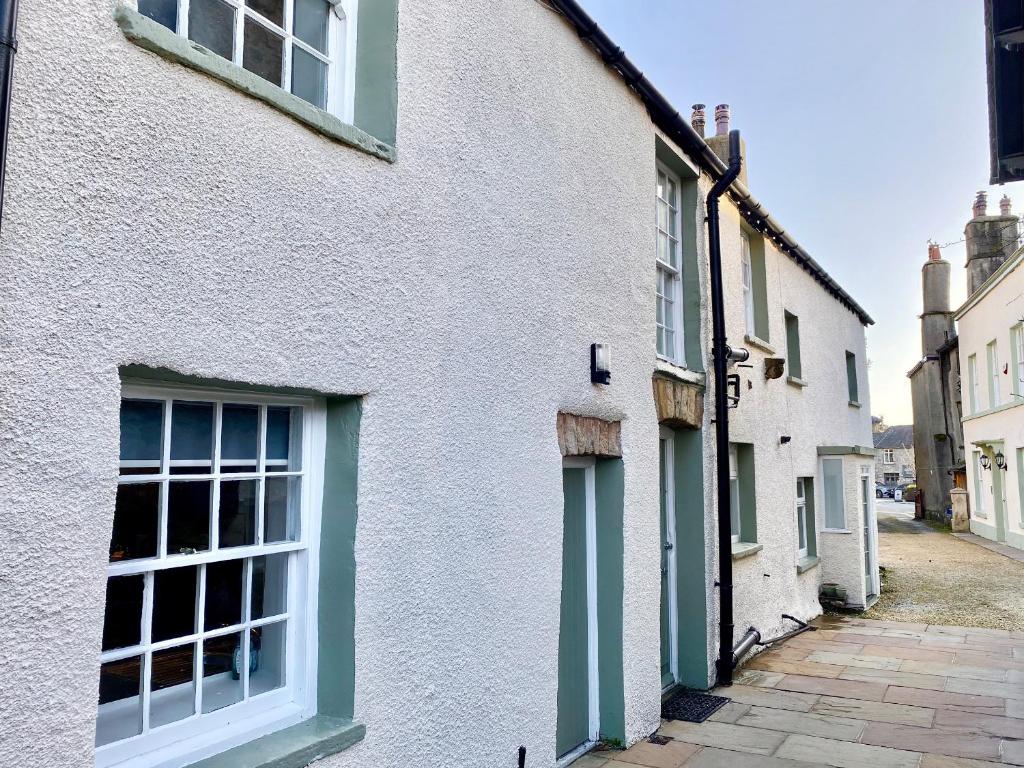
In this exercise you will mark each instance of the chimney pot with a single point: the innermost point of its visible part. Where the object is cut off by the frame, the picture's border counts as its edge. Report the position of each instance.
(1005, 206)
(697, 119)
(721, 119)
(934, 254)
(980, 206)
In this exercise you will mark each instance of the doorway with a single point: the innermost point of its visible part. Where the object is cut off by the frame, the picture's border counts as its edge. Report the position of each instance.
(669, 579)
(578, 695)
(868, 520)
(998, 494)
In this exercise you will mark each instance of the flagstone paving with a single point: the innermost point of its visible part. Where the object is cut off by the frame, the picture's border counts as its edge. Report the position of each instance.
(858, 692)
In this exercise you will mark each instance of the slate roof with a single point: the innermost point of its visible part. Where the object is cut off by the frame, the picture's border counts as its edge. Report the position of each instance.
(901, 436)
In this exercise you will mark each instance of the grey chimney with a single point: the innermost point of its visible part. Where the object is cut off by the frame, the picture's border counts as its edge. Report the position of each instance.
(697, 119)
(722, 120)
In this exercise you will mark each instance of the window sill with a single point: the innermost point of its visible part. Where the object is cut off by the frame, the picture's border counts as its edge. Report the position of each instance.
(837, 530)
(854, 404)
(807, 563)
(679, 372)
(761, 344)
(796, 381)
(742, 549)
(294, 747)
(155, 37)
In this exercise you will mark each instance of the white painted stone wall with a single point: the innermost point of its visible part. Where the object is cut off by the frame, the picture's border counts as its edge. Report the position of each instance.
(155, 216)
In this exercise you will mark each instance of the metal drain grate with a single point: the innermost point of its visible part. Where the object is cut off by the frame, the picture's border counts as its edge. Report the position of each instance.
(691, 706)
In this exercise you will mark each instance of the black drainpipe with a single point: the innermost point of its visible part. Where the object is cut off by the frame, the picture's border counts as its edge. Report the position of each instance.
(8, 47)
(721, 354)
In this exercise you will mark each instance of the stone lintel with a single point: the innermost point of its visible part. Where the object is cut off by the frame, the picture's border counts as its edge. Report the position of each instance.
(679, 403)
(588, 436)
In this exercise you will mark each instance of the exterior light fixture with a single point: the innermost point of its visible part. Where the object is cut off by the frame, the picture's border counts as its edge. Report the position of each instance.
(1000, 460)
(986, 462)
(600, 364)
(737, 355)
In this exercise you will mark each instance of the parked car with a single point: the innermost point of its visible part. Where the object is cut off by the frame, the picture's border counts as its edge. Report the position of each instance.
(909, 490)
(884, 491)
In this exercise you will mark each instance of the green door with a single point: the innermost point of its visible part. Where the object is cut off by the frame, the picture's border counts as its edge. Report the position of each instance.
(666, 550)
(573, 727)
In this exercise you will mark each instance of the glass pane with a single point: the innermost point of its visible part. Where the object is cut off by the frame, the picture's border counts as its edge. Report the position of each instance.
(284, 439)
(263, 52)
(161, 11)
(172, 685)
(269, 585)
(281, 502)
(239, 438)
(270, 9)
(191, 437)
(311, 23)
(309, 77)
(223, 594)
(832, 474)
(141, 436)
(120, 711)
(122, 619)
(267, 670)
(188, 517)
(211, 23)
(222, 682)
(136, 521)
(174, 603)
(237, 518)
(734, 507)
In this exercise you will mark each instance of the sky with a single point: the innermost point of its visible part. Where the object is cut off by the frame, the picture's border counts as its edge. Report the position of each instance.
(866, 127)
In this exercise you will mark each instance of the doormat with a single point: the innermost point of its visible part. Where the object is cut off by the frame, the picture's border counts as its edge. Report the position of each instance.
(691, 706)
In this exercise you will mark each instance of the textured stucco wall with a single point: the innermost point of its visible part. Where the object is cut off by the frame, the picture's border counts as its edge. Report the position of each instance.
(155, 216)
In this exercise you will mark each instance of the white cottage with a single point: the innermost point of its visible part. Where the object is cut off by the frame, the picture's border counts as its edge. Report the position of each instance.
(303, 454)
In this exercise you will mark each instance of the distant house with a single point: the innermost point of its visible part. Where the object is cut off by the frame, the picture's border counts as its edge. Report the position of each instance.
(894, 454)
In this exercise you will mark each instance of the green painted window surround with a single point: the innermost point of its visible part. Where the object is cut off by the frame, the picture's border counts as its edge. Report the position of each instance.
(747, 494)
(758, 287)
(793, 346)
(851, 378)
(376, 112)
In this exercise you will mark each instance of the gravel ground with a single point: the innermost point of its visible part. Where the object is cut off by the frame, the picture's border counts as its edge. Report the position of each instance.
(932, 577)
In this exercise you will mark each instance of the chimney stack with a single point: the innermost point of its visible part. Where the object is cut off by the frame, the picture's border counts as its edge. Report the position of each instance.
(936, 319)
(980, 207)
(1005, 206)
(697, 119)
(934, 254)
(722, 120)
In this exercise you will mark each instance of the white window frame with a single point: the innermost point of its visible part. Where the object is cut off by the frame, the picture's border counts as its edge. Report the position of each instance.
(992, 360)
(747, 276)
(674, 353)
(973, 383)
(888, 456)
(735, 499)
(801, 518)
(202, 735)
(979, 485)
(341, 48)
(1017, 342)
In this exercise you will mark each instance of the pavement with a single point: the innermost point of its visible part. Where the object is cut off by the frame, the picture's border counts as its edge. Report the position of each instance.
(858, 692)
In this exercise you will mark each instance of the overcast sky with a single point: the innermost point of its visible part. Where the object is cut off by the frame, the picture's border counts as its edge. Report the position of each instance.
(866, 128)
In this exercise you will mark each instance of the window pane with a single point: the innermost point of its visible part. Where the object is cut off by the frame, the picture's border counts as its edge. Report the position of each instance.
(161, 11)
(174, 603)
(801, 525)
(223, 594)
(192, 437)
(311, 23)
(136, 520)
(271, 9)
(141, 436)
(284, 439)
(122, 619)
(188, 517)
(734, 507)
(120, 711)
(237, 515)
(309, 77)
(269, 585)
(832, 472)
(211, 23)
(263, 51)
(268, 669)
(172, 686)
(239, 438)
(222, 682)
(281, 503)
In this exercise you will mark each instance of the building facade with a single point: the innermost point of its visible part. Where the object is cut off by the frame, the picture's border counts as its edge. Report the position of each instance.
(303, 450)
(991, 325)
(894, 454)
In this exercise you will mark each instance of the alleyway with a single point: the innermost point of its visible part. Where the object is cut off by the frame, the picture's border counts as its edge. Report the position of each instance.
(932, 577)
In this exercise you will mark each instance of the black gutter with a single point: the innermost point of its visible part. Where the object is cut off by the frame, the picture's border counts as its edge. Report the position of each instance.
(720, 352)
(8, 47)
(681, 132)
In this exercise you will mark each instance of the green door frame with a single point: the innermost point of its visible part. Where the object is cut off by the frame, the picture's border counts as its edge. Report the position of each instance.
(669, 577)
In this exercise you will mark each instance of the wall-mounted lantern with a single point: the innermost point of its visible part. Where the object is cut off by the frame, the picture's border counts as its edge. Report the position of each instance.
(986, 462)
(600, 364)
(1000, 460)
